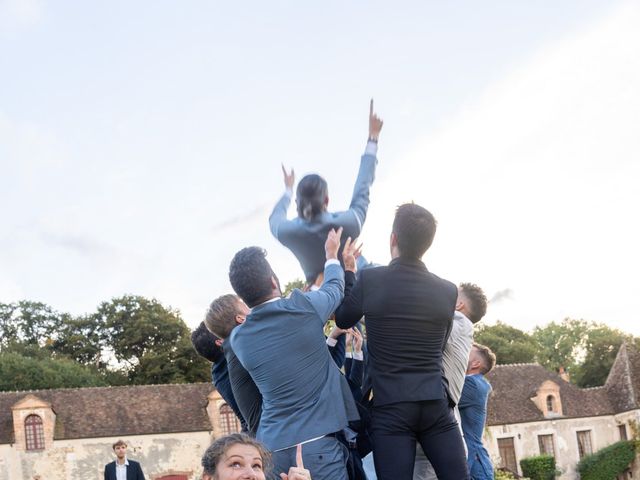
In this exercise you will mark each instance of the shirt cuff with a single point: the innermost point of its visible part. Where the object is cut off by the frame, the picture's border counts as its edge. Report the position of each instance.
(358, 356)
(347, 355)
(332, 341)
(288, 192)
(331, 261)
(371, 149)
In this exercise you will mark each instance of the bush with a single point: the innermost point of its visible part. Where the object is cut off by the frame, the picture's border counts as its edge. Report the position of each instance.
(506, 475)
(542, 467)
(609, 462)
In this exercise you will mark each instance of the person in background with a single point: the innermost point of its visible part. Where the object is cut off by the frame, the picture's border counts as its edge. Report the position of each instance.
(473, 410)
(122, 468)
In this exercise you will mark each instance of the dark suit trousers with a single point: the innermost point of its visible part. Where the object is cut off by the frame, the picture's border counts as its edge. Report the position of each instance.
(395, 429)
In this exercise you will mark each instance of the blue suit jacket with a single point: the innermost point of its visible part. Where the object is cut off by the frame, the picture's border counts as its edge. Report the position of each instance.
(134, 471)
(473, 415)
(282, 346)
(306, 238)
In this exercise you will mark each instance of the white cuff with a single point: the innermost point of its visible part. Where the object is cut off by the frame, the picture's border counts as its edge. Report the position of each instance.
(347, 355)
(331, 261)
(358, 356)
(371, 149)
(332, 341)
(288, 192)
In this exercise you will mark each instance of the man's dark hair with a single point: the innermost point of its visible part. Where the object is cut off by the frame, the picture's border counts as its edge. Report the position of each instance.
(477, 301)
(118, 443)
(415, 228)
(250, 275)
(205, 344)
(221, 316)
(310, 196)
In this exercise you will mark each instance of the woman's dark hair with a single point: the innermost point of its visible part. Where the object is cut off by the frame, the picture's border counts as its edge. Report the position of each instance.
(311, 194)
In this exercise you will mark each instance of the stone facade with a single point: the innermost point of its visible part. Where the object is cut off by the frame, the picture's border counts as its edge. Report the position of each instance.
(532, 411)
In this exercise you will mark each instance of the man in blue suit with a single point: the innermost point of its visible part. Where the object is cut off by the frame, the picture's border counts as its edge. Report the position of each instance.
(305, 234)
(122, 468)
(306, 400)
(473, 410)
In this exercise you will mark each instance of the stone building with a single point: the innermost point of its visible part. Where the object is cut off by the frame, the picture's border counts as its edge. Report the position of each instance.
(532, 411)
(66, 434)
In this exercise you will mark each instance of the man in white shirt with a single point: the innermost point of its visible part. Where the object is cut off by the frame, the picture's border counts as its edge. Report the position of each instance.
(470, 308)
(122, 468)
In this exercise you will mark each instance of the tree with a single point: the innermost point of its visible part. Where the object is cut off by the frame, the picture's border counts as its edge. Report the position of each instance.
(151, 342)
(19, 372)
(27, 326)
(508, 343)
(291, 286)
(559, 344)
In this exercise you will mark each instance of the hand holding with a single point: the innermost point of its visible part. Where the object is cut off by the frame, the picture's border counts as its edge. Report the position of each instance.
(289, 178)
(332, 245)
(375, 124)
(358, 340)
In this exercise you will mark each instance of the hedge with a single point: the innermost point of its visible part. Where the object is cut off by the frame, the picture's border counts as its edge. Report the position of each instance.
(542, 467)
(608, 463)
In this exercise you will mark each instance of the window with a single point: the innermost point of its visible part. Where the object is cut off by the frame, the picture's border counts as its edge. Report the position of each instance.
(584, 443)
(545, 442)
(551, 403)
(34, 432)
(623, 431)
(228, 419)
(507, 454)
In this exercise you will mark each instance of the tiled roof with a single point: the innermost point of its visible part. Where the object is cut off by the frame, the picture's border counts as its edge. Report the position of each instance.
(515, 385)
(115, 411)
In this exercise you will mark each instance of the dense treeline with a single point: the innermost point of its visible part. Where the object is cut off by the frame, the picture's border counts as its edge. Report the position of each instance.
(128, 340)
(135, 340)
(586, 350)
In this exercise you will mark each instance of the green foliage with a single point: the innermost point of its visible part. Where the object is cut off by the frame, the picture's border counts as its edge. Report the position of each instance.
(586, 350)
(607, 463)
(508, 343)
(291, 286)
(542, 467)
(18, 372)
(504, 475)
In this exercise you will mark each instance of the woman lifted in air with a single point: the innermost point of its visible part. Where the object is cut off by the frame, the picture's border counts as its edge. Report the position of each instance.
(305, 235)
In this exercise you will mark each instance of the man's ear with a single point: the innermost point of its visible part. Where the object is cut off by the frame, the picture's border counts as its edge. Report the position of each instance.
(459, 304)
(240, 319)
(394, 239)
(274, 283)
(326, 201)
(218, 342)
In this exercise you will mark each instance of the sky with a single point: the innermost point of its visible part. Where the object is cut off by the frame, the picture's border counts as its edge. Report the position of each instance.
(141, 144)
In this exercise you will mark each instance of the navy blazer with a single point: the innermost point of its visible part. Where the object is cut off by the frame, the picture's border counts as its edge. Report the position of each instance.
(282, 346)
(408, 313)
(306, 238)
(134, 471)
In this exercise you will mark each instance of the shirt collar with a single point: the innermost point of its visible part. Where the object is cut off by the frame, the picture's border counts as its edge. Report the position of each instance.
(126, 462)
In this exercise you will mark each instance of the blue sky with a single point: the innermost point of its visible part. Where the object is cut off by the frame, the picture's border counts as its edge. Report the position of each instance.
(141, 142)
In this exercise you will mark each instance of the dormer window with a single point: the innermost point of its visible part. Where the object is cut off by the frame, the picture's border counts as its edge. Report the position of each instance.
(34, 432)
(551, 403)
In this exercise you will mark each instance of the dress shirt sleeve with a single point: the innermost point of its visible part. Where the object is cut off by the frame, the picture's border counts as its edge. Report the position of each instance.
(351, 310)
(338, 350)
(470, 393)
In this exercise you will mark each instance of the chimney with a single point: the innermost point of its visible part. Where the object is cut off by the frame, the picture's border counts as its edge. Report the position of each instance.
(563, 374)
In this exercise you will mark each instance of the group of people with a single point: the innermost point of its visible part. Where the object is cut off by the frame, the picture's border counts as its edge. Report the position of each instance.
(398, 379)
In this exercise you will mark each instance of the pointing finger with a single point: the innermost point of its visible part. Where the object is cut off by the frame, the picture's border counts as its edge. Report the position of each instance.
(371, 108)
(299, 462)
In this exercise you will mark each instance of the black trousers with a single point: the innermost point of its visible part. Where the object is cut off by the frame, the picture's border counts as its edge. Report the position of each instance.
(395, 429)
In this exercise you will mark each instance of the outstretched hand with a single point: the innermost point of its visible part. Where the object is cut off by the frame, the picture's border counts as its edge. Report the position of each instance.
(350, 254)
(289, 178)
(298, 472)
(332, 245)
(375, 124)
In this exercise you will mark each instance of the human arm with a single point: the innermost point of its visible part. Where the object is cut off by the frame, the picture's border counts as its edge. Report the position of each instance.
(278, 216)
(470, 393)
(337, 345)
(140, 475)
(106, 473)
(366, 174)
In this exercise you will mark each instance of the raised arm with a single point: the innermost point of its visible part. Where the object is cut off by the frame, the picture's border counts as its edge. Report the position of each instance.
(327, 298)
(360, 198)
(279, 214)
(351, 310)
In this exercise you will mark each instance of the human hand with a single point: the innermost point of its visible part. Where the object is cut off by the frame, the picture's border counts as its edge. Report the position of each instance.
(358, 340)
(332, 245)
(298, 472)
(337, 332)
(350, 254)
(289, 178)
(375, 124)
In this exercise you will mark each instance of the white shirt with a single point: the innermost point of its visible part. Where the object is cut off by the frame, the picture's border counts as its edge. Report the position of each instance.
(121, 470)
